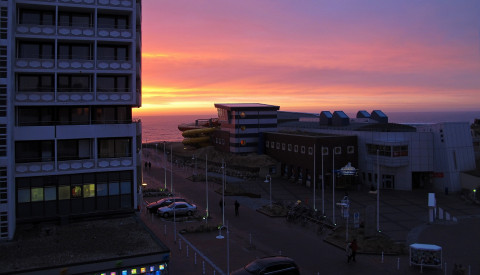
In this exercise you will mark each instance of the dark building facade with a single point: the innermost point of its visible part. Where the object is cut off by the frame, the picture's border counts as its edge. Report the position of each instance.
(298, 152)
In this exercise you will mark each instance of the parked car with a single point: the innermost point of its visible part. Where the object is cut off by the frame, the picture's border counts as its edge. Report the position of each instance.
(153, 206)
(269, 265)
(179, 207)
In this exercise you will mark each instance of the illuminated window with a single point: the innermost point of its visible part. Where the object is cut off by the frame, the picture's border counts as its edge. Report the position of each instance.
(325, 151)
(143, 270)
(243, 142)
(350, 149)
(37, 194)
(243, 128)
(295, 148)
(77, 191)
(161, 267)
(64, 192)
(89, 190)
(338, 150)
(242, 114)
(134, 271)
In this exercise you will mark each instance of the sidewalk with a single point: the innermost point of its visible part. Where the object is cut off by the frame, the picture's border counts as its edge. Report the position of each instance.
(253, 235)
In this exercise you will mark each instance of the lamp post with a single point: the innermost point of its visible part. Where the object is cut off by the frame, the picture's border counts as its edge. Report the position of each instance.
(268, 179)
(224, 167)
(206, 186)
(323, 189)
(165, 163)
(194, 165)
(333, 186)
(314, 178)
(171, 169)
(378, 192)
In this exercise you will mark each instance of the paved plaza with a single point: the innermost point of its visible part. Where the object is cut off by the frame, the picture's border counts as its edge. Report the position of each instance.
(403, 217)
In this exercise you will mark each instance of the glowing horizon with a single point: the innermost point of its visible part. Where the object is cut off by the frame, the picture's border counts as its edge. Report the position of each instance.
(310, 56)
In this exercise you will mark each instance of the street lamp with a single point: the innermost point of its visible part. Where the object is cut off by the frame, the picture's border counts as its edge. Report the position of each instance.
(268, 179)
(378, 192)
(195, 165)
(206, 186)
(165, 163)
(224, 167)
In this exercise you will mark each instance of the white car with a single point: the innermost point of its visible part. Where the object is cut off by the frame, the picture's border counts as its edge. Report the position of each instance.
(179, 207)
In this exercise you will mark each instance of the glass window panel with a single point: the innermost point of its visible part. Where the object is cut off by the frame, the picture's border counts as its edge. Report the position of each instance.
(47, 18)
(80, 52)
(63, 52)
(105, 53)
(105, 83)
(28, 83)
(64, 192)
(80, 83)
(47, 150)
(47, 51)
(67, 149)
(122, 148)
(81, 20)
(106, 148)
(76, 191)
(64, 19)
(89, 190)
(122, 22)
(113, 188)
(37, 194)
(23, 195)
(29, 50)
(28, 116)
(50, 193)
(84, 149)
(46, 83)
(122, 84)
(106, 21)
(126, 187)
(102, 189)
(29, 17)
(122, 53)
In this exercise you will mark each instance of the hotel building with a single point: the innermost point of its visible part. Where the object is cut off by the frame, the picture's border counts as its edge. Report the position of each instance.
(69, 78)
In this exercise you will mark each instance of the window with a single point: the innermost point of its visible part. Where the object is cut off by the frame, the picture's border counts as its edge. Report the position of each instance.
(278, 145)
(89, 190)
(102, 189)
(267, 144)
(113, 83)
(3, 140)
(242, 114)
(295, 148)
(113, 188)
(114, 147)
(283, 146)
(76, 191)
(74, 149)
(243, 142)
(35, 83)
(325, 151)
(34, 116)
(73, 115)
(35, 50)
(272, 144)
(75, 51)
(302, 149)
(73, 19)
(338, 150)
(350, 149)
(74, 83)
(36, 17)
(37, 194)
(34, 151)
(400, 151)
(112, 52)
(126, 187)
(289, 147)
(310, 150)
(23, 195)
(64, 192)
(106, 21)
(50, 193)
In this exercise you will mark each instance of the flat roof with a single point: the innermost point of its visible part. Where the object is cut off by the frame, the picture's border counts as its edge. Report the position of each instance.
(47, 245)
(245, 106)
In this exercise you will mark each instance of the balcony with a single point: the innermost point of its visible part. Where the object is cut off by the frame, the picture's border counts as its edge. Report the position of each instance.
(32, 97)
(115, 33)
(75, 64)
(116, 3)
(74, 96)
(76, 31)
(111, 3)
(36, 29)
(88, 2)
(114, 65)
(34, 63)
(114, 96)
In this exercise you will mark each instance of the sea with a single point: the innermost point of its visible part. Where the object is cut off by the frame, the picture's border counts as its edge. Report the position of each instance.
(165, 128)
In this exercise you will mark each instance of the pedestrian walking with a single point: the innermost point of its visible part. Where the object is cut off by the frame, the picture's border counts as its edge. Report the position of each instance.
(146, 165)
(348, 250)
(237, 205)
(353, 248)
(149, 165)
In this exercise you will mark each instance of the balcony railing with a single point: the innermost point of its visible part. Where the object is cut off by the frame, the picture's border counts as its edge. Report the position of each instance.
(114, 33)
(72, 165)
(112, 3)
(76, 31)
(114, 64)
(34, 63)
(36, 29)
(75, 64)
(74, 95)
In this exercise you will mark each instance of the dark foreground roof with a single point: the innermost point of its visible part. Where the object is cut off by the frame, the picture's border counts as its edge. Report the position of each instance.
(48, 245)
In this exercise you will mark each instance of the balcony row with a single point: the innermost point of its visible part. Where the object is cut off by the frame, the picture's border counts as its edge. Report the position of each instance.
(74, 97)
(72, 165)
(111, 3)
(75, 31)
(67, 64)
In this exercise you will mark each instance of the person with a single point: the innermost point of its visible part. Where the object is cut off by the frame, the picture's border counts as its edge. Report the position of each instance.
(353, 248)
(348, 250)
(237, 205)
(146, 165)
(149, 165)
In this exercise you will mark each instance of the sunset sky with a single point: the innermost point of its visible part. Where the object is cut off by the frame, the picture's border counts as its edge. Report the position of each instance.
(310, 55)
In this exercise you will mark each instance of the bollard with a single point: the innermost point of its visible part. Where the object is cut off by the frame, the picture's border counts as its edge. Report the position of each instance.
(382, 257)
(203, 267)
(195, 258)
(398, 263)
(187, 251)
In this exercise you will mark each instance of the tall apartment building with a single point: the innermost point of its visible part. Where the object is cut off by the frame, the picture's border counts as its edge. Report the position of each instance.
(69, 78)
